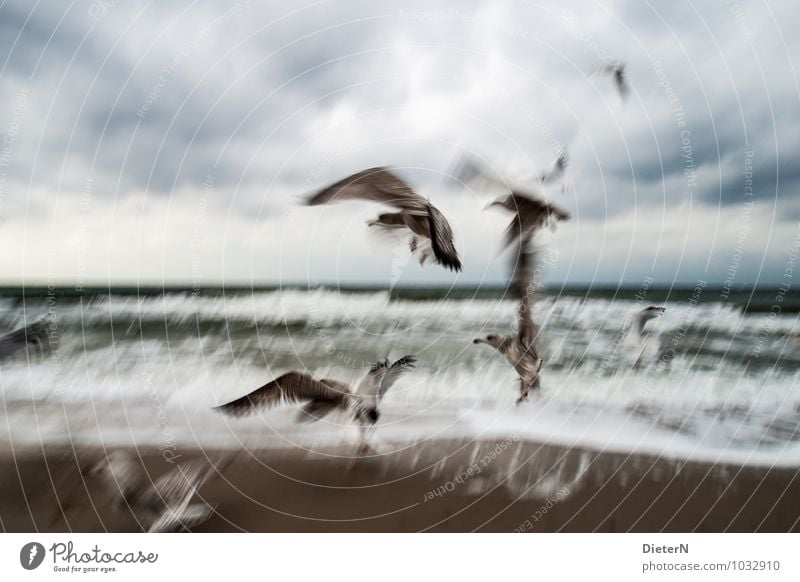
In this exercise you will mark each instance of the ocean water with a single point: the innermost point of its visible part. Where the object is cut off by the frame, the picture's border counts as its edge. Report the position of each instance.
(719, 379)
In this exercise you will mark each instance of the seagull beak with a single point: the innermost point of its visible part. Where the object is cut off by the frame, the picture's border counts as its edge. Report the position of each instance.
(478, 340)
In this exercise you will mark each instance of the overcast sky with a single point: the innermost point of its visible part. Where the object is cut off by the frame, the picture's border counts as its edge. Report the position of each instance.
(172, 142)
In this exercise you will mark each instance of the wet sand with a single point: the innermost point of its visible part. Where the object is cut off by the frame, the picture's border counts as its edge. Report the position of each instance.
(454, 486)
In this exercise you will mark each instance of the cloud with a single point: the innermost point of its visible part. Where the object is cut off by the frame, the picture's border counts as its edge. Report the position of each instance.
(143, 106)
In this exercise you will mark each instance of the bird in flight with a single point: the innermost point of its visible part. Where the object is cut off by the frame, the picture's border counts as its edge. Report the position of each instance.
(521, 349)
(617, 72)
(557, 172)
(323, 396)
(429, 233)
(160, 506)
(530, 210)
(636, 336)
(530, 214)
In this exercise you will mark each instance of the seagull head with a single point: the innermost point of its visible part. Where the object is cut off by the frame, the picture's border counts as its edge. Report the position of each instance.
(490, 340)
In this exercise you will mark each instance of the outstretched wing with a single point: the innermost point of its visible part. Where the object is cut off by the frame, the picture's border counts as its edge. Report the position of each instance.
(394, 372)
(178, 485)
(530, 215)
(174, 491)
(375, 185)
(442, 240)
(559, 167)
(316, 410)
(289, 388)
(370, 384)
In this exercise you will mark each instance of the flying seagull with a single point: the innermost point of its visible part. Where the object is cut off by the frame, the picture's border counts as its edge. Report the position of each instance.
(428, 230)
(557, 172)
(530, 214)
(636, 335)
(34, 335)
(521, 349)
(163, 505)
(324, 395)
(617, 71)
(530, 210)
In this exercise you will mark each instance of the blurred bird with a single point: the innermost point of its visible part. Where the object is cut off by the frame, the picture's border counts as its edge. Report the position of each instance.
(428, 230)
(530, 214)
(557, 172)
(163, 505)
(325, 395)
(521, 349)
(636, 336)
(34, 335)
(530, 210)
(617, 71)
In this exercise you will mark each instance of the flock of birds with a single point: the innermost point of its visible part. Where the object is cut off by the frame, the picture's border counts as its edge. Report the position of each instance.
(166, 503)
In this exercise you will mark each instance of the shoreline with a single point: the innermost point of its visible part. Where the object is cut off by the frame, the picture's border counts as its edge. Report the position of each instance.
(438, 485)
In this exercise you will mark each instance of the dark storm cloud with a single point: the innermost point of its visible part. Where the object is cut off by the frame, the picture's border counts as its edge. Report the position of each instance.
(274, 99)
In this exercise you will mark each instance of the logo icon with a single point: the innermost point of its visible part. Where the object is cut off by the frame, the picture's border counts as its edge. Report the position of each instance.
(31, 555)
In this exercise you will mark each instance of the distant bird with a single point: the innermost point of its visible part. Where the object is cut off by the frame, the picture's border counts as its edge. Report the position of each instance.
(163, 505)
(636, 335)
(617, 71)
(34, 335)
(325, 395)
(428, 230)
(557, 172)
(530, 214)
(521, 349)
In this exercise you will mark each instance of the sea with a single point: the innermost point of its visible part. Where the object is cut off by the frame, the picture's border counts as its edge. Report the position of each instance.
(717, 381)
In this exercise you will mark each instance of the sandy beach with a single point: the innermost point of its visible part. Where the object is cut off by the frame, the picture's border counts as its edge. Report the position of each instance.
(452, 486)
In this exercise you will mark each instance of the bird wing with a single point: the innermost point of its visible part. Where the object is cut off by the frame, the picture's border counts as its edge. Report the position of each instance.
(524, 285)
(174, 490)
(291, 387)
(316, 410)
(559, 166)
(442, 240)
(370, 384)
(376, 185)
(530, 215)
(32, 334)
(175, 486)
(394, 372)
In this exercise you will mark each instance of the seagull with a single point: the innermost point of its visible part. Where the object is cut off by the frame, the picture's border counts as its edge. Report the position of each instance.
(34, 334)
(530, 214)
(530, 209)
(163, 505)
(559, 167)
(617, 71)
(428, 230)
(521, 349)
(325, 395)
(636, 335)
